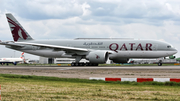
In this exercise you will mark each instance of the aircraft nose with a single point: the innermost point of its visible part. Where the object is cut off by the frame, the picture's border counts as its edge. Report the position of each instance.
(175, 50)
(172, 51)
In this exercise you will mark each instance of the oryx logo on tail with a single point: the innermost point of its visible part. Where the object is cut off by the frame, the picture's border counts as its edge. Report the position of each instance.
(18, 32)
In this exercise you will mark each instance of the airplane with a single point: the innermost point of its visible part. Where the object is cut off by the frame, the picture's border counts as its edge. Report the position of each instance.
(12, 60)
(95, 50)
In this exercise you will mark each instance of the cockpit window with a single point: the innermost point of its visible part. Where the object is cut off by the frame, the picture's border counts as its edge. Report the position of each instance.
(168, 46)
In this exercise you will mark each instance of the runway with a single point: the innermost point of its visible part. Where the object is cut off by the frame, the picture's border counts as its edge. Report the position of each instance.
(97, 71)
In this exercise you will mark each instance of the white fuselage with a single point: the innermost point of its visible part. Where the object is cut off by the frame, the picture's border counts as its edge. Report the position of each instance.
(121, 48)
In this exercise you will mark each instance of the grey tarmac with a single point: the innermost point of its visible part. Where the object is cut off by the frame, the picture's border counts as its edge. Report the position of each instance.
(96, 71)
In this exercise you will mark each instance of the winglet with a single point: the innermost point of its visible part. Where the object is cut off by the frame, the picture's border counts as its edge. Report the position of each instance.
(18, 32)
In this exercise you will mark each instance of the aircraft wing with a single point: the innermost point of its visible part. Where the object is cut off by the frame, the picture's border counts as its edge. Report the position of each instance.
(10, 43)
(55, 47)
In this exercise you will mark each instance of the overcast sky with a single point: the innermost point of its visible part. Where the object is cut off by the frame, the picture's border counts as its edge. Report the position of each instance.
(69, 19)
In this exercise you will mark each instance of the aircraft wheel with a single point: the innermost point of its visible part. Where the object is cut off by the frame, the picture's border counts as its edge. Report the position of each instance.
(87, 64)
(159, 64)
(72, 64)
(91, 64)
(77, 64)
(96, 64)
(81, 64)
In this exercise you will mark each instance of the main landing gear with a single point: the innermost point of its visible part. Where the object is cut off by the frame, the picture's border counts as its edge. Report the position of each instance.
(160, 63)
(78, 63)
(84, 64)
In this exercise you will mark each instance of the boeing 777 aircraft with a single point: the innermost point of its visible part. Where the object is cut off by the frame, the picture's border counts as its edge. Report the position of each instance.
(96, 50)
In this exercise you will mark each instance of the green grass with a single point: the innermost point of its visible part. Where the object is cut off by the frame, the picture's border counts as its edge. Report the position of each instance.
(21, 88)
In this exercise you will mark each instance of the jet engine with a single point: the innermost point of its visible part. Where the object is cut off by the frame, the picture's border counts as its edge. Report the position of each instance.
(97, 57)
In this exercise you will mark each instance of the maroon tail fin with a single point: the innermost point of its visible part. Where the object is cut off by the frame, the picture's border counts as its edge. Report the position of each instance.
(18, 32)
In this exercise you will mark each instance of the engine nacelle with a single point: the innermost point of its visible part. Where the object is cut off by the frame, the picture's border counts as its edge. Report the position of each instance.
(120, 60)
(97, 57)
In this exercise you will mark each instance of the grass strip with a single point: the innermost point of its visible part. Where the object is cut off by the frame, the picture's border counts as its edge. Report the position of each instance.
(41, 88)
(76, 80)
